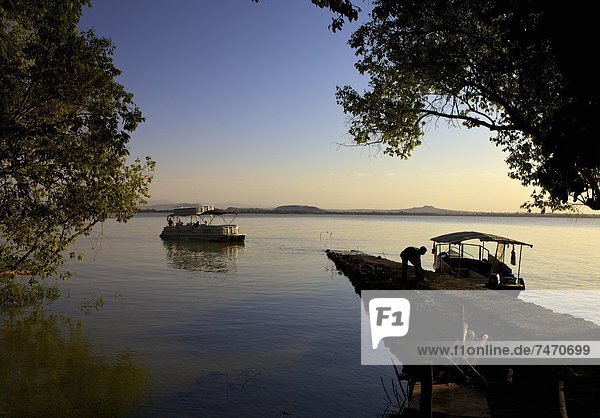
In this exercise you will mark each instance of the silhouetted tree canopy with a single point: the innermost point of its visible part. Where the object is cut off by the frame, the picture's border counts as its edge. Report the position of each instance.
(343, 9)
(515, 67)
(64, 128)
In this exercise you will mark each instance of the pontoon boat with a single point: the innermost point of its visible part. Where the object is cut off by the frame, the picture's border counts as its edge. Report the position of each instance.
(195, 223)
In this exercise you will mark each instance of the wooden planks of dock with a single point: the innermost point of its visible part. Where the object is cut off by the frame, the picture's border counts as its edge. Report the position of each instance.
(453, 400)
(509, 391)
(368, 272)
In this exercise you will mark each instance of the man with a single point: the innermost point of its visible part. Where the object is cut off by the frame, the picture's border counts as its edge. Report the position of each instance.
(412, 254)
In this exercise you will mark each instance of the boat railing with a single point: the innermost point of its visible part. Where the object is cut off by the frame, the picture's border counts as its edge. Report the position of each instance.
(461, 259)
(467, 251)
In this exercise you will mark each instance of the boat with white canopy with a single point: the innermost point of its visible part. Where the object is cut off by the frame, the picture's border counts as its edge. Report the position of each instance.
(464, 254)
(197, 223)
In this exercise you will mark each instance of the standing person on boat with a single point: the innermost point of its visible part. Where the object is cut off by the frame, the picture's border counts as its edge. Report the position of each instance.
(412, 254)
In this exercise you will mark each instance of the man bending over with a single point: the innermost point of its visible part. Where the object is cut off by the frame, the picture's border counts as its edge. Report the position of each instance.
(412, 254)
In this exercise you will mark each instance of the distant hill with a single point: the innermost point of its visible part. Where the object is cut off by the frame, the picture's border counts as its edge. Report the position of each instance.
(426, 210)
(298, 209)
(164, 207)
(430, 210)
(307, 209)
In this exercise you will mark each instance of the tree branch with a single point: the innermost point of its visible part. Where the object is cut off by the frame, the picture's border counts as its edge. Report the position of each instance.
(478, 122)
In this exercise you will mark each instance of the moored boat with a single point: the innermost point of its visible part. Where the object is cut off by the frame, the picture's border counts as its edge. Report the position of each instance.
(464, 254)
(197, 223)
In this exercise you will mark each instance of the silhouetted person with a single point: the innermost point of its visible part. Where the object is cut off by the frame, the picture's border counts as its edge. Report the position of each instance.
(412, 254)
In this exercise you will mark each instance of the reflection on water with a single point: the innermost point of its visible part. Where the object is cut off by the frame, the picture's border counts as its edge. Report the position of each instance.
(203, 256)
(48, 368)
(261, 330)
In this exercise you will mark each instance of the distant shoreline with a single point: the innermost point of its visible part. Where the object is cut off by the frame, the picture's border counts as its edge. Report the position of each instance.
(260, 211)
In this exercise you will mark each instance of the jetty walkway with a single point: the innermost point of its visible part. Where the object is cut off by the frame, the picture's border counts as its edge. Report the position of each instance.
(485, 391)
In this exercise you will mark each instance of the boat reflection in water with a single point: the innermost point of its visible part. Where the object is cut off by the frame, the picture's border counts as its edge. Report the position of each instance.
(203, 256)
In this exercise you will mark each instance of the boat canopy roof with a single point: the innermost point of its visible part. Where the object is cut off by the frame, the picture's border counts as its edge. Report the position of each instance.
(197, 211)
(458, 237)
(192, 210)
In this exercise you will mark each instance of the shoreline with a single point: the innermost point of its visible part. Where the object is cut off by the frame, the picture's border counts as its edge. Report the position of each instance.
(258, 211)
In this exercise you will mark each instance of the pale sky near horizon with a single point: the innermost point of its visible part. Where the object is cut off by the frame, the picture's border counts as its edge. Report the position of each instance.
(240, 111)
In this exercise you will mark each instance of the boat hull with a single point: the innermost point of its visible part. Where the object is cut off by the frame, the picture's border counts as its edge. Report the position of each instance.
(202, 233)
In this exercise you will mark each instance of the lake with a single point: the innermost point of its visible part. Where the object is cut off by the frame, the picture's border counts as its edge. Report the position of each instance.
(147, 327)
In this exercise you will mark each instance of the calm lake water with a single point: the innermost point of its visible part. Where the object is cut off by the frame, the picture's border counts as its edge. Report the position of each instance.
(152, 328)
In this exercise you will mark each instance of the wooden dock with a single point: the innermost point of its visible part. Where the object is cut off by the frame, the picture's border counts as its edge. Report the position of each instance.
(368, 272)
(454, 400)
(494, 391)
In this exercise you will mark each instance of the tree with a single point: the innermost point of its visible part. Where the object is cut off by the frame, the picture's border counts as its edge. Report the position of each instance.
(343, 9)
(64, 128)
(7, 6)
(508, 66)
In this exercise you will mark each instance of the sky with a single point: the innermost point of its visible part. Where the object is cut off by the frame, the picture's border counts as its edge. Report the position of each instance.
(239, 101)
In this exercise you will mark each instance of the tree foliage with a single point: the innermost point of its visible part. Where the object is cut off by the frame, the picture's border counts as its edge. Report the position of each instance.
(64, 128)
(343, 10)
(507, 66)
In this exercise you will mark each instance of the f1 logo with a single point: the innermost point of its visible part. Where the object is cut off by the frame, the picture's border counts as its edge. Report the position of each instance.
(389, 317)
